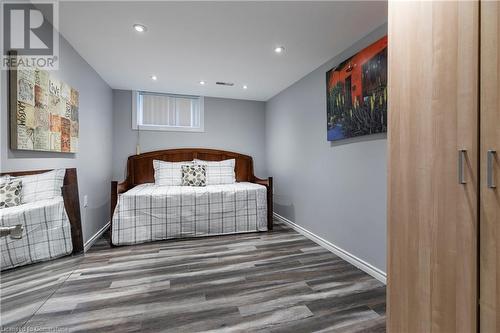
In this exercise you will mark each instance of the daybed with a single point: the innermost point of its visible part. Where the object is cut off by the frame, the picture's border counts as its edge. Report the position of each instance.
(142, 211)
(52, 227)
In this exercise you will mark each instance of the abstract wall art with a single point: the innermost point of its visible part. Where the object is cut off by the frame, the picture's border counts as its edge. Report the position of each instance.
(43, 112)
(356, 94)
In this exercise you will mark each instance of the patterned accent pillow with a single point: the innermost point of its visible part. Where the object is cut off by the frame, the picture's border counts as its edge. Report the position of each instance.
(10, 193)
(168, 173)
(194, 175)
(42, 186)
(219, 172)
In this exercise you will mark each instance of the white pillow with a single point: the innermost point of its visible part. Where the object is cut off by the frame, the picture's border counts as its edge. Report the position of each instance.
(43, 186)
(4, 179)
(168, 173)
(219, 172)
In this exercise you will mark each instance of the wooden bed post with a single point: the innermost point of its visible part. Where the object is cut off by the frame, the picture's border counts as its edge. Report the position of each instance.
(114, 201)
(72, 204)
(270, 203)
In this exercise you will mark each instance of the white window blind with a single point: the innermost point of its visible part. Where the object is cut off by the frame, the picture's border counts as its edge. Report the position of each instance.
(154, 111)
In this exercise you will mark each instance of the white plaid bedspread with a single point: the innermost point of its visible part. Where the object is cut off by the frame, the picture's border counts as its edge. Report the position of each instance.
(151, 212)
(46, 235)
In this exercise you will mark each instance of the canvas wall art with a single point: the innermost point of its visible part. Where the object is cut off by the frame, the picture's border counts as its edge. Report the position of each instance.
(43, 112)
(356, 94)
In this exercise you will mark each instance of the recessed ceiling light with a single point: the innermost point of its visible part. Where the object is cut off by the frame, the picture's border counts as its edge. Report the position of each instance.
(245, 87)
(202, 83)
(279, 49)
(154, 77)
(139, 28)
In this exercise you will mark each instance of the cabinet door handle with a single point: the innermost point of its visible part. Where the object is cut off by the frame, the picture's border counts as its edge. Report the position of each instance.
(461, 162)
(489, 168)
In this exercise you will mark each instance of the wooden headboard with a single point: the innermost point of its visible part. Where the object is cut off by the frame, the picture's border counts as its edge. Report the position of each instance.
(71, 203)
(140, 170)
(140, 167)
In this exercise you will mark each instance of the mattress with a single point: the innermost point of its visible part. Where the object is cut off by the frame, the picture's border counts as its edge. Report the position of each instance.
(151, 212)
(46, 235)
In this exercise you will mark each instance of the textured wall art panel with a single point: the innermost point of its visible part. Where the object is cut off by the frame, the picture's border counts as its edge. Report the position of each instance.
(43, 112)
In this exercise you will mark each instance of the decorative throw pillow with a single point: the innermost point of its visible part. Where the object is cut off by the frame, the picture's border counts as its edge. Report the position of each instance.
(219, 172)
(10, 193)
(193, 175)
(42, 186)
(168, 173)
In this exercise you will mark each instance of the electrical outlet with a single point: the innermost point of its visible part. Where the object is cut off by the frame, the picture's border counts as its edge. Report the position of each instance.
(85, 201)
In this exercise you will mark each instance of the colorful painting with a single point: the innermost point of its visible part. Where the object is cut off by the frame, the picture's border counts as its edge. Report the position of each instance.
(356, 94)
(44, 112)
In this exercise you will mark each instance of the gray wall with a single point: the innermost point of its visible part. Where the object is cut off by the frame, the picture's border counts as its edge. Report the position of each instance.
(230, 124)
(337, 191)
(93, 159)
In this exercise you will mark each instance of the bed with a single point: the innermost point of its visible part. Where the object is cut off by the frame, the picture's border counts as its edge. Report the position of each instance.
(142, 211)
(52, 228)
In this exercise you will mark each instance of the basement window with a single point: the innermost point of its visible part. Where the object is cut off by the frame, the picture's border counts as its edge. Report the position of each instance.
(167, 112)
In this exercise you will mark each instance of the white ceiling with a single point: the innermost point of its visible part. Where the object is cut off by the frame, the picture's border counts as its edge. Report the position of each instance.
(214, 41)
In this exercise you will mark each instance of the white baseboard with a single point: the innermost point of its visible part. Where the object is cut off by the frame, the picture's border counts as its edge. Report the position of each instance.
(91, 241)
(349, 257)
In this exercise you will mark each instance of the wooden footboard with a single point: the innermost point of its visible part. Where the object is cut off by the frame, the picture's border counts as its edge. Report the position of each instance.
(140, 171)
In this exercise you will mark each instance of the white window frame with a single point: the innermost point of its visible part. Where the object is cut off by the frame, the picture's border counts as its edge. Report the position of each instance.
(136, 116)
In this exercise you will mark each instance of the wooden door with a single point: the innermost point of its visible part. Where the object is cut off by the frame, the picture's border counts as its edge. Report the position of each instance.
(489, 317)
(432, 218)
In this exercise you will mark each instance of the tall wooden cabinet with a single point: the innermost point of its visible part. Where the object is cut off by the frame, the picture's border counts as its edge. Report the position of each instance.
(489, 251)
(444, 126)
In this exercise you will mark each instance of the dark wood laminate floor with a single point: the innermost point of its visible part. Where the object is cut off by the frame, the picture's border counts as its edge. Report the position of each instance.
(266, 282)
